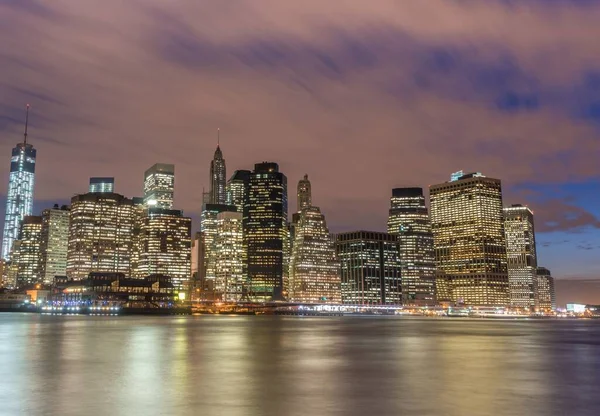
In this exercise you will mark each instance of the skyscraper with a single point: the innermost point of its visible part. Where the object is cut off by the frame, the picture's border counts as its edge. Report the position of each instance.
(100, 234)
(304, 194)
(218, 177)
(54, 245)
(165, 245)
(314, 269)
(370, 268)
(28, 262)
(545, 293)
(102, 185)
(19, 198)
(468, 236)
(209, 227)
(409, 221)
(521, 256)
(237, 189)
(229, 255)
(159, 185)
(265, 231)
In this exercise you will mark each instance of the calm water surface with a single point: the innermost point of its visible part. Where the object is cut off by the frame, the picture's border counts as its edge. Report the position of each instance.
(227, 365)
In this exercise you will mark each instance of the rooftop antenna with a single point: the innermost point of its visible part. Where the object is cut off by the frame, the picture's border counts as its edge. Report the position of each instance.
(218, 136)
(26, 123)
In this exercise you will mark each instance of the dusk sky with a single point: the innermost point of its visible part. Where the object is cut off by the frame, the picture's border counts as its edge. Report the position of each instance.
(363, 96)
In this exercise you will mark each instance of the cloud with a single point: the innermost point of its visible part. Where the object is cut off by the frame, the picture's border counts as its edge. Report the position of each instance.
(560, 215)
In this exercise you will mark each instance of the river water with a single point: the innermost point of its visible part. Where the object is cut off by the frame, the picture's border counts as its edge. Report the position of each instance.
(269, 365)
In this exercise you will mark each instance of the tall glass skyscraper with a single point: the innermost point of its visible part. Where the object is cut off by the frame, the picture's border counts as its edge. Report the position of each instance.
(521, 256)
(159, 185)
(409, 220)
(19, 199)
(229, 256)
(266, 231)
(55, 238)
(237, 189)
(218, 178)
(468, 236)
(29, 255)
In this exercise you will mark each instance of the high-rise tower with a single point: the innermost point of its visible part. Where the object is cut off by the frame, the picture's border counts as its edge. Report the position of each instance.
(521, 255)
(19, 199)
(265, 231)
(159, 185)
(237, 189)
(218, 177)
(468, 237)
(102, 184)
(408, 219)
(304, 194)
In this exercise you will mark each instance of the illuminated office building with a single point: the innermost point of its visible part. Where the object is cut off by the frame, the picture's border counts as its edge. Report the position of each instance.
(218, 178)
(100, 234)
(229, 250)
(314, 270)
(369, 268)
(304, 194)
(266, 231)
(139, 213)
(468, 237)
(409, 221)
(159, 185)
(102, 185)
(29, 257)
(237, 189)
(19, 197)
(521, 256)
(545, 294)
(54, 243)
(209, 227)
(165, 240)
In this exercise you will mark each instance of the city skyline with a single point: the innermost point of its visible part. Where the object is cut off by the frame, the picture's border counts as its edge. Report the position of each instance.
(492, 114)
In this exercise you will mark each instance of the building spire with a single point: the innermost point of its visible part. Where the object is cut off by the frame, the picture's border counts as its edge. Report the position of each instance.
(218, 136)
(26, 123)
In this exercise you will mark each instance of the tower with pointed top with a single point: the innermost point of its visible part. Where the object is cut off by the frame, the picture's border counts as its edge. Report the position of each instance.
(19, 199)
(304, 194)
(218, 176)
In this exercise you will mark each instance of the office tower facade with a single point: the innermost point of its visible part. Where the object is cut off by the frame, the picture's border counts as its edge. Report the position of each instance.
(314, 269)
(468, 237)
(409, 221)
(521, 256)
(218, 178)
(237, 189)
(265, 231)
(54, 244)
(229, 256)
(100, 234)
(29, 257)
(159, 185)
(545, 293)
(165, 240)
(209, 227)
(369, 268)
(19, 197)
(304, 194)
(102, 185)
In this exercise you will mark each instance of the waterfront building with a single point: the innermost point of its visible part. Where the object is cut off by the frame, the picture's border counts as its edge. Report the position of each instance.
(237, 189)
(54, 243)
(102, 185)
(209, 227)
(229, 256)
(265, 231)
(409, 221)
(469, 242)
(19, 197)
(100, 234)
(521, 256)
(159, 185)
(545, 292)
(369, 268)
(29, 257)
(218, 177)
(165, 241)
(314, 269)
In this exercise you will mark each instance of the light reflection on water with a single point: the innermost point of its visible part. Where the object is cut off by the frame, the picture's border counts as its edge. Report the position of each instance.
(296, 366)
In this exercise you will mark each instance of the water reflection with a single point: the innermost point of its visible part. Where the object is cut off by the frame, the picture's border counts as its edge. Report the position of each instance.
(296, 366)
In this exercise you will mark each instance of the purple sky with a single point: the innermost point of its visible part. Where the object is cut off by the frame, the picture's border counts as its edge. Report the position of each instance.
(362, 96)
